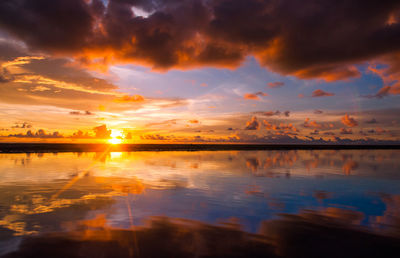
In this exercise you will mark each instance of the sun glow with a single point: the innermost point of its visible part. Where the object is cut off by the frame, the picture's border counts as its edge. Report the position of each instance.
(116, 137)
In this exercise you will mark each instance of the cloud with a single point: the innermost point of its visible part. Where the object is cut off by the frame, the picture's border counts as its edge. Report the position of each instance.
(194, 121)
(378, 130)
(272, 113)
(312, 124)
(81, 135)
(5, 75)
(349, 121)
(38, 80)
(321, 93)
(383, 92)
(390, 75)
(166, 123)
(288, 37)
(79, 113)
(253, 124)
(127, 98)
(22, 125)
(38, 134)
(281, 128)
(43, 80)
(102, 132)
(372, 121)
(155, 137)
(386, 91)
(346, 131)
(317, 112)
(315, 132)
(254, 96)
(274, 85)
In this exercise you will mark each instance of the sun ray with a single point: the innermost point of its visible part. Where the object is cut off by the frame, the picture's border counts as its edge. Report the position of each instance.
(116, 137)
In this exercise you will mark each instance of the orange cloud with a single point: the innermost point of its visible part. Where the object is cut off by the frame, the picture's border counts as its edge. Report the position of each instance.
(253, 124)
(312, 124)
(283, 128)
(321, 93)
(254, 96)
(102, 132)
(274, 85)
(329, 73)
(272, 113)
(390, 76)
(346, 131)
(349, 121)
(127, 98)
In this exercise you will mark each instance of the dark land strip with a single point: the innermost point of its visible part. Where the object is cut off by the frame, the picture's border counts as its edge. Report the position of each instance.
(74, 147)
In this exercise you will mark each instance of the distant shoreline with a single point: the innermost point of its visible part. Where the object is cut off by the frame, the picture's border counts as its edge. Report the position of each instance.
(88, 147)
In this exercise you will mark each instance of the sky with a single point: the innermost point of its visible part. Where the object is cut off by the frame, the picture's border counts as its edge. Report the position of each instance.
(199, 71)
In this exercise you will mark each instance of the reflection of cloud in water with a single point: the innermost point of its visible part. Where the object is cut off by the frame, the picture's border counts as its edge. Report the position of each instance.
(329, 233)
(390, 220)
(253, 186)
(145, 166)
(349, 166)
(82, 194)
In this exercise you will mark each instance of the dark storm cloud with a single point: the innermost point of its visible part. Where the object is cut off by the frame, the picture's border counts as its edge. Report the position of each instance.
(47, 24)
(308, 39)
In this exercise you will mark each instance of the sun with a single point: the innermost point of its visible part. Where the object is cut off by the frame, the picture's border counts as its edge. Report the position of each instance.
(116, 136)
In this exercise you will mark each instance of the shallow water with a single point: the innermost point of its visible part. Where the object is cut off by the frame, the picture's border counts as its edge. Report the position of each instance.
(126, 201)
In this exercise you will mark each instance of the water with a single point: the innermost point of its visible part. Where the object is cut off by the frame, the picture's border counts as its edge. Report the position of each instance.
(271, 201)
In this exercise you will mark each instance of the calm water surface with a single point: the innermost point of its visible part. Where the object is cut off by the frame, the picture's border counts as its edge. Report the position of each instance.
(201, 204)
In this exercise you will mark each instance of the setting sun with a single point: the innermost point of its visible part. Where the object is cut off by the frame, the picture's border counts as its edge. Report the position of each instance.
(116, 137)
